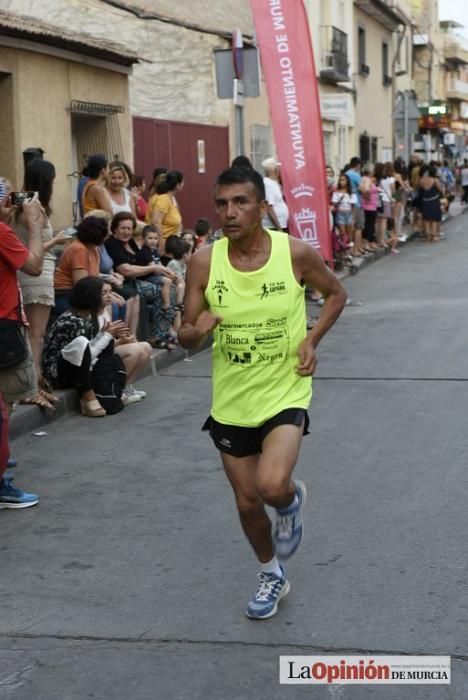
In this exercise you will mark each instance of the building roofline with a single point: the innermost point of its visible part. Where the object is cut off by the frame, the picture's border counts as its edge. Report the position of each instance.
(32, 30)
(382, 12)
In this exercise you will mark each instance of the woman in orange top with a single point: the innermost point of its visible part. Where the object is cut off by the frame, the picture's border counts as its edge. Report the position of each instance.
(95, 195)
(79, 259)
(163, 211)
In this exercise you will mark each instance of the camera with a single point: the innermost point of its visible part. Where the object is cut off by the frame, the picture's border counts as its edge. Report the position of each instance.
(18, 198)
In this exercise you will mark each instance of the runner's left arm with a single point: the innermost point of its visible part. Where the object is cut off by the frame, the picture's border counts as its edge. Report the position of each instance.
(310, 270)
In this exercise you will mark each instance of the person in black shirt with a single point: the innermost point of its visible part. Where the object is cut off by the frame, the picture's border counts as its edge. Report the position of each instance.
(127, 260)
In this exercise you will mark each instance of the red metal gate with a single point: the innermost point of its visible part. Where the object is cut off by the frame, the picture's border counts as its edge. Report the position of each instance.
(181, 146)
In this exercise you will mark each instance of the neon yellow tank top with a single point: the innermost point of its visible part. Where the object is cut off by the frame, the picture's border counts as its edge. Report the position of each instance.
(255, 346)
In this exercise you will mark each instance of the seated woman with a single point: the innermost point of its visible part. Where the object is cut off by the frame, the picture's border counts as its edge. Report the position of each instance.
(123, 250)
(79, 259)
(125, 301)
(74, 343)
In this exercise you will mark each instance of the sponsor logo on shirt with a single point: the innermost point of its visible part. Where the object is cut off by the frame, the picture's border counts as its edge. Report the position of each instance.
(220, 290)
(269, 289)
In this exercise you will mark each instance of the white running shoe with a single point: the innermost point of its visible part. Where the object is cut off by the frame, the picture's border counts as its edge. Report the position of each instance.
(132, 389)
(129, 396)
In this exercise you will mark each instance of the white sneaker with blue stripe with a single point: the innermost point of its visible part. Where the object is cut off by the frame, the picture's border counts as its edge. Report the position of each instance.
(289, 528)
(270, 591)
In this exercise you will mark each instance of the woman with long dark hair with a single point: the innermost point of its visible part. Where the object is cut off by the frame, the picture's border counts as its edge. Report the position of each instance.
(74, 344)
(38, 292)
(431, 194)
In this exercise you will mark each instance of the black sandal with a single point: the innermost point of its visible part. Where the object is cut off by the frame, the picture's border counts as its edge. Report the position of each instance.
(161, 344)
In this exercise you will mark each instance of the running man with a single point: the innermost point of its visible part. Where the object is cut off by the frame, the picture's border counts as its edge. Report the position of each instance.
(248, 290)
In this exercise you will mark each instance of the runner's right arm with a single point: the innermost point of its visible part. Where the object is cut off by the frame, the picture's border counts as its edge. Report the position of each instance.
(198, 321)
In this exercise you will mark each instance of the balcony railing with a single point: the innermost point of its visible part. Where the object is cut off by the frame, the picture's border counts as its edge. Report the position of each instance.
(457, 90)
(456, 50)
(334, 55)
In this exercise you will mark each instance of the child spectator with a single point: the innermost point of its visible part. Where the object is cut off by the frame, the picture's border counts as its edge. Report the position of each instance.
(203, 232)
(149, 254)
(343, 202)
(181, 252)
(190, 236)
(141, 205)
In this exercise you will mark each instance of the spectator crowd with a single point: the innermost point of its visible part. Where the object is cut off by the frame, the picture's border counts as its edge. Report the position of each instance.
(369, 204)
(83, 308)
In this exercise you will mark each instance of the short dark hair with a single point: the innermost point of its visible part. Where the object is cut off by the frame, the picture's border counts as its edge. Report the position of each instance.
(93, 229)
(138, 180)
(85, 295)
(95, 164)
(122, 216)
(236, 175)
(241, 161)
(149, 229)
(202, 227)
(354, 162)
(179, 248)
(171, 244)
(38, 177)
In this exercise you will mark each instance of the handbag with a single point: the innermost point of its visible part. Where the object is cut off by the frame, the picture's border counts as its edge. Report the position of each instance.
(13, 348)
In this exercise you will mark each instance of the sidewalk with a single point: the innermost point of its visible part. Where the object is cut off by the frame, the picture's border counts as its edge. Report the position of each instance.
(27, 419)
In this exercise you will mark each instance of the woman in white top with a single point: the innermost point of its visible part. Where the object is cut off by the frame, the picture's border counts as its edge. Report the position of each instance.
(343, 201)
(117, 188)
(386, 183)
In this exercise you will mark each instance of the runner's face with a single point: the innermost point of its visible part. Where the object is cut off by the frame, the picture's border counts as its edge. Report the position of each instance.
(239, 209)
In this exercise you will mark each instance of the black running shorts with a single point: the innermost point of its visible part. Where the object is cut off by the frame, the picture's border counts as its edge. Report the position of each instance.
(241, 442)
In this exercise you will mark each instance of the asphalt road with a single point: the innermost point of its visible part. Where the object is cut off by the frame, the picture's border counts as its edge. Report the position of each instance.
(130, 579)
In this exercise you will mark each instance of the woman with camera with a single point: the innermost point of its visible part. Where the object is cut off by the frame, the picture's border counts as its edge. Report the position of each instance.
(38, 292)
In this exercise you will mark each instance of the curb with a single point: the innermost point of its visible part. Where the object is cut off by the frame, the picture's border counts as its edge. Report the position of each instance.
(27, 419)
